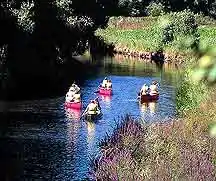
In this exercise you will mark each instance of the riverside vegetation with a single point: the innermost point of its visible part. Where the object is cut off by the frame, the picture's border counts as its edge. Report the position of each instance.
(167, 32)
(184, 148)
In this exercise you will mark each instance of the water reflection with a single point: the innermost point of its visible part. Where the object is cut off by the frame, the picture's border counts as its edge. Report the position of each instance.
(152, 106)
(90, 134)
(149, 111)
(106, 100)
(74, 114)
(143, 107)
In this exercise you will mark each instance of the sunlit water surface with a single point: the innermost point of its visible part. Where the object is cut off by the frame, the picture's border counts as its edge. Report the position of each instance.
(40, 140)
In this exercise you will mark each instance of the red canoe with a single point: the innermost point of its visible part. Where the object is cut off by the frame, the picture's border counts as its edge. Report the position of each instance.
(149, 98)
(73, 105)
(105, 91)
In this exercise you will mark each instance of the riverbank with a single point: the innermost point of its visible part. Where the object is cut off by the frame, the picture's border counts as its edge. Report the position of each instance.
(181, 149)
(140, 37)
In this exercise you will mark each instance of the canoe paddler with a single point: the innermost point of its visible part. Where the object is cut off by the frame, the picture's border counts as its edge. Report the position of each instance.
(92, 107)
(74, 88)
(144, 90)
(104, 83)
(153, 88)
(77, 97)
(109, 84)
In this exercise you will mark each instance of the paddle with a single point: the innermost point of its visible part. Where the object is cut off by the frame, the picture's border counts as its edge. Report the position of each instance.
(97, 91)
(138, 97)
(82, 116)
(97, 99)
(84, 113)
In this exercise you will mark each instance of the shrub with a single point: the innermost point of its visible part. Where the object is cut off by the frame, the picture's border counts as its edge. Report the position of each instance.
(180, 28)
(155, 9)
(201, 19)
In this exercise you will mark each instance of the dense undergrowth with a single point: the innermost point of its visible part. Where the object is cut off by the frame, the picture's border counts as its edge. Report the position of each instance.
(181, 150)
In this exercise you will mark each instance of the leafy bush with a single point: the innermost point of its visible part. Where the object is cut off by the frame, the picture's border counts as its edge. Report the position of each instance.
(190, 94)
(201, 19)
(180, 28)
(155, 9)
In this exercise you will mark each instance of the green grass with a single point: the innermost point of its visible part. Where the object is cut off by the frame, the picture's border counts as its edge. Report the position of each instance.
(137, 40)
(142, 34)
(208, 35)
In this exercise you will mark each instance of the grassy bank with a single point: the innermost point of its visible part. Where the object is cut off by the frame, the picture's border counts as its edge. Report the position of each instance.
(143, 34)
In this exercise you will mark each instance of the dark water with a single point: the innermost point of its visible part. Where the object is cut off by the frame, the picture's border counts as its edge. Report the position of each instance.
(40, 140)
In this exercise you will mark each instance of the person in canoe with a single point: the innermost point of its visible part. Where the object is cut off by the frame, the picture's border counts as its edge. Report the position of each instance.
(109, 84)
(73, 95)
(93, 108)
(69, 96)
(97, 101)
(153, 88)
(104, 83)
(77, 97)
(144, 90)
(74, 88)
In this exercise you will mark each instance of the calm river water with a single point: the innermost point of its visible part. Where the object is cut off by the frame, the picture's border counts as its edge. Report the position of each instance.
(40, 140)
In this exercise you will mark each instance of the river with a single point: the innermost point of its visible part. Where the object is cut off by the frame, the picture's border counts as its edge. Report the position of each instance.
(40, 140)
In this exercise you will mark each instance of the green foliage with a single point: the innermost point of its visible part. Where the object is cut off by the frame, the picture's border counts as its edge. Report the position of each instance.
(23, 13)
(155, 9)
(132, 7)
(201, 19)
(189, 93)
(180, 28)
(206, 67)
(152, 33)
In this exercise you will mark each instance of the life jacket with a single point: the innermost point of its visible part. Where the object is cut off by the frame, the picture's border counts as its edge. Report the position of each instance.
(77, 97)
(109, 85)
(104, 83)
(144, 90)
(92, 108)
(153, 89)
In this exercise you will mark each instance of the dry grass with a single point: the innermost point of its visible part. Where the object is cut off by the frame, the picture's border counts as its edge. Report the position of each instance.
(132, 22)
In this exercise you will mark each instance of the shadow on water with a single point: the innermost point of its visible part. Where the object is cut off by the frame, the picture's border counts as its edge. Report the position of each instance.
(41, 140)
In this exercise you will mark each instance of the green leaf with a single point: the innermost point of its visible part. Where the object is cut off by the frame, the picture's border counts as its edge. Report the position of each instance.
(212, 74)
(205, 61)
(212, 51)
(212, 130)
(203, 46)
(199, 74)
